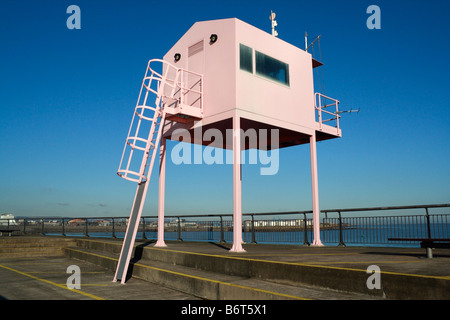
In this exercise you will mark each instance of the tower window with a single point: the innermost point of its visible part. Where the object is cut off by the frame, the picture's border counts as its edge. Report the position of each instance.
(272, 68)
(246, 58)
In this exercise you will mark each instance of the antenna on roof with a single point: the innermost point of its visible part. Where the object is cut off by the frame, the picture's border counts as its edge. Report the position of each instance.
(311, 44)
(348, 111)
(274, 23)
(306, 41)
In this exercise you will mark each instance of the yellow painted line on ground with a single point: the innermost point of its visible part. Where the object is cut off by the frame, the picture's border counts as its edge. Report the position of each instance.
(293, 254)
(291, 263)
(31, 263)
(14, 254)
(52, 283)
(198, 278)
(301, 264)
(92, 254)
(91, 285)
(57, 272)
(362, 262)
(222, 283)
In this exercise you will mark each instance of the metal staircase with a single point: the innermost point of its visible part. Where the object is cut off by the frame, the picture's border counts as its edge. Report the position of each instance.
(169, 90)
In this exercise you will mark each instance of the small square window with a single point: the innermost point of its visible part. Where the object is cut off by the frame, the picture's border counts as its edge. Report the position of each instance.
(246, 58)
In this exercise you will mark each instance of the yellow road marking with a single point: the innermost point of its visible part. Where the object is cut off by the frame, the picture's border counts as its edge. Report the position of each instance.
(291, 263)
(52, 283)
(199, 278)
(39, 262)
(362, 262)
(91, 285)
(223, 283)
(293, 254)
(302, 264)
(54, 272)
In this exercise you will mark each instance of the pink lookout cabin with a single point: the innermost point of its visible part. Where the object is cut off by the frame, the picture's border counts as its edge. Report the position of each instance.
(232, 77)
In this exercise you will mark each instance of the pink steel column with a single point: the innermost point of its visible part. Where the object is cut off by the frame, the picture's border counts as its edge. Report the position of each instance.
(315, 191)
(237, 187)
(162, 185)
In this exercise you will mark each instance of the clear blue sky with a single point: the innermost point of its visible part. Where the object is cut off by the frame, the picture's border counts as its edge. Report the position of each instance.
(67, 97)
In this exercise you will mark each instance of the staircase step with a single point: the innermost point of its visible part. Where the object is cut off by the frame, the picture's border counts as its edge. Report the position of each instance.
(33, 246)
(31, 252)
(207, 284)
(211, 258)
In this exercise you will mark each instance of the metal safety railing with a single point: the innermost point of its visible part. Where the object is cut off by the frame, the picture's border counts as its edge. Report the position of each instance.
(172, 83)
(191, 88)
(170, 89)
(331, 115)
(377, 230)
(372, 226)
(181, 91)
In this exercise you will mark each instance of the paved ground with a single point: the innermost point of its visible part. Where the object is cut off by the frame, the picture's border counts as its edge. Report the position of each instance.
(399, 260)
(45, 278)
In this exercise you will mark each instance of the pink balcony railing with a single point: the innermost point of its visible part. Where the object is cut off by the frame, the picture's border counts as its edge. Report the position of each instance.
(327, 111)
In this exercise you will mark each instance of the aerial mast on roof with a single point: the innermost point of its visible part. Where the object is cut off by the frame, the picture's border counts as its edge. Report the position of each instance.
(311, 44)
(274, 23)
(306, 41)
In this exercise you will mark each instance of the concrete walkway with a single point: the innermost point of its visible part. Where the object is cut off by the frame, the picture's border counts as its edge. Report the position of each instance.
(280, 268)
(399, 260)
(45, 278)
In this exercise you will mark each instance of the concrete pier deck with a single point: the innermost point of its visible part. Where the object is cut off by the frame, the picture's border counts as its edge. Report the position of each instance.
(202, 270)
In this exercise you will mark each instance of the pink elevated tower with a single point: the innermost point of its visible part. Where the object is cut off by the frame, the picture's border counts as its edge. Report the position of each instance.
(232, 77)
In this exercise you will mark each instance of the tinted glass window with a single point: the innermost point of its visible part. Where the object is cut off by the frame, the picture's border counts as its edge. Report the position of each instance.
(272, 68)
(246, 58)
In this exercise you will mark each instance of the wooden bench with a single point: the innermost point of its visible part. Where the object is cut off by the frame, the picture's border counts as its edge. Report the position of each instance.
(427, 243)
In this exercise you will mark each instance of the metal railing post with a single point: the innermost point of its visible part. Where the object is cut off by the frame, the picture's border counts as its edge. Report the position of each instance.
(319, 114)
(222, 238)
(179, 229)
(143, 229)
(428, 249)
(210, 231)
(86, 232)
(341, 236)
(427, 215)
(337, 116)
(305, 231)
(42, 227)
(113, 230)
(253, 229)
(201, 94)
(63, 231)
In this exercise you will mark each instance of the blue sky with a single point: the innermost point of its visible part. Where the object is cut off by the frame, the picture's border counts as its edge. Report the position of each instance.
(67, 97)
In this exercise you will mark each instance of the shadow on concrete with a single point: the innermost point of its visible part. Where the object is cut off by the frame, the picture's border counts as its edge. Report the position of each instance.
(439, 254)
(139, 249)
(219, 245)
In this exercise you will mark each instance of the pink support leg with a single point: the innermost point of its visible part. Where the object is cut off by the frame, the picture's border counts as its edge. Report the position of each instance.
(315, 191)
(162, 182)
(237, 187)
